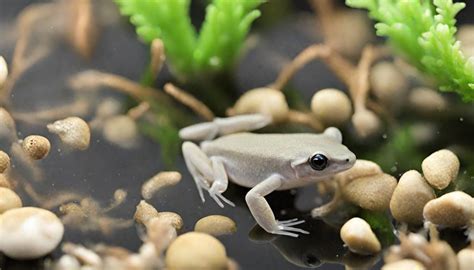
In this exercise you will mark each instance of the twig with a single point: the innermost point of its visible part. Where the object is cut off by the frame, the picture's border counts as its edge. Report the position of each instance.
(83, 29)
(20, 62)
(190, 101)
(92, 79)
(305, 119)
(158, 57)
(138, 111)
(78, 108)
(307, 55)
(360, 86)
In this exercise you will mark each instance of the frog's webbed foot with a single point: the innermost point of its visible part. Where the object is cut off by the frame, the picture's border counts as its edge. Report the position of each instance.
(222, 126)
(262, 212)
(209, 173)
(286, 227)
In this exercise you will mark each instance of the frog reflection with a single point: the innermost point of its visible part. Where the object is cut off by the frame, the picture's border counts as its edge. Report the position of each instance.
(322, 245)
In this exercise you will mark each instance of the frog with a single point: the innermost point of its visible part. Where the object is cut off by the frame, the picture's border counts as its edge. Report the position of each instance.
(263, 162)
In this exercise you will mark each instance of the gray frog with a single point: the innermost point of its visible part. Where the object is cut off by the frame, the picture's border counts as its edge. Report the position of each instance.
(262, 162)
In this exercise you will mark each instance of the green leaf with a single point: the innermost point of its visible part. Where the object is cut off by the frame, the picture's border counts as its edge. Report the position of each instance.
(223, 32)
(425, 36)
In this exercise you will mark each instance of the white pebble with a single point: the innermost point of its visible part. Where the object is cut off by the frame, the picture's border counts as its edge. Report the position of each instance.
(359, 237)
(29, 232)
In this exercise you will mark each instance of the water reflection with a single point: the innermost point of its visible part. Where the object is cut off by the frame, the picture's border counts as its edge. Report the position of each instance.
(322, 245)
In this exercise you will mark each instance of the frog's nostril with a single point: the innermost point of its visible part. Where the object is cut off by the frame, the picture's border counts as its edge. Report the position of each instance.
(347, 160)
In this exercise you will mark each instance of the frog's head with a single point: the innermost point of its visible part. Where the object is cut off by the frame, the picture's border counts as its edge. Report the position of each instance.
(327, 158)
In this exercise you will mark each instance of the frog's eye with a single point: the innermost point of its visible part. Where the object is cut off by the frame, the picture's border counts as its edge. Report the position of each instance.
(318, 162)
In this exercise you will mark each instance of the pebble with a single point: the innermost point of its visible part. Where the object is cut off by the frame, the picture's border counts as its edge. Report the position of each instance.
(370, 192)
(265, 101)
(195, 250)
(409, 197)
(406, 264)
(216, 225)
(121, 130)
(144, 212)
(326, 101)
(359, 237)
(388, 83)
(466, 259)
(4, 161)
(36, 147)
(160, 180)
(38, 229)
(440, 168)
(8, 200)
(73, 131)
(454, 209)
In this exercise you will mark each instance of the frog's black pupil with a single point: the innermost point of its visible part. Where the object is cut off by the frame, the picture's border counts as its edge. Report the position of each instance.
(318, 162)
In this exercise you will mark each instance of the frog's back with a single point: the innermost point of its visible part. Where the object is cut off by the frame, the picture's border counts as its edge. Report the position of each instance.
(266, 146)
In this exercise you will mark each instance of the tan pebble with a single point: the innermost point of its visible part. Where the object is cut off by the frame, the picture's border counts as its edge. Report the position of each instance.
(121, 130)
(265, 101)
(406, 264)
(3, 71)
(352, 25)
(388, 83)
(4, 161)
(465, 34)
(196, 250)
(8, 200)
(440, 168)
(145, 212)
(37, 147)
(38, 229)
(160, 232)
(359, 237)
(7, 124)
(327, 101)
(426, 100)
(361, 168)
(454, 209)
(73, 132)
(409, 197)
(4, 181)
(466, 259)
(108, 107)
(371, 192)
(172, 218)
(366, 123)
(160, 180)
(216, 225)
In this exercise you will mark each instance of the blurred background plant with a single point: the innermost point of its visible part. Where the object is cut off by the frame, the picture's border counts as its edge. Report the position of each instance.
(213, 50)
(424, 33)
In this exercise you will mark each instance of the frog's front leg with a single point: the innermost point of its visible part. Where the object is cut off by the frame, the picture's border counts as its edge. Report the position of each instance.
(208, 173)
(262, 212)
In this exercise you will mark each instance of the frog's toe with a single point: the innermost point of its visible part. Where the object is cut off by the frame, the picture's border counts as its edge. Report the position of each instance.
(218, 197)
(286, 228)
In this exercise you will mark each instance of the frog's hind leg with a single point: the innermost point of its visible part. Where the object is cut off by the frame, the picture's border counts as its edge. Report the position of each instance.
(208, 173)
(222, 126)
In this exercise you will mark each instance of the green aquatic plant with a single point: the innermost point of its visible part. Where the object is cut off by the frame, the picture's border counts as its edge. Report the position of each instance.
(226, 25)
(424, 33)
